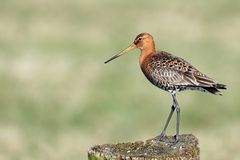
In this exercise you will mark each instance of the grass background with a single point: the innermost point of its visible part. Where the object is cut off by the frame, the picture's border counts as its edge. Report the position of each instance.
(58, 99)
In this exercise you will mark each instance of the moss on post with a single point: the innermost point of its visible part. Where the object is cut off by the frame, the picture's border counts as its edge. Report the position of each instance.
(186, 149)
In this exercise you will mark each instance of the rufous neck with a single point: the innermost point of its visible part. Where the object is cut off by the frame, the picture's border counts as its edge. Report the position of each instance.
(146, 51)
(150, 48)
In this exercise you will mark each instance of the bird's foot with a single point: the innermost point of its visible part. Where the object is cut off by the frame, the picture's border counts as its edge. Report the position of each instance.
(176, 139)
(161, 138)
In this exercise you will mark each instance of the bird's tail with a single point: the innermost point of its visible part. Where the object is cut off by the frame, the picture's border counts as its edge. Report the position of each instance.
(215, 88)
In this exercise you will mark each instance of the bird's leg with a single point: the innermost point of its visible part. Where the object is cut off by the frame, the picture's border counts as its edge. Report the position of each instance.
(178, 117)
(167, 122)
(163, 133)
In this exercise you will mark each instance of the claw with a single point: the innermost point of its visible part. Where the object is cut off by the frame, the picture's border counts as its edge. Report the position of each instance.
(162, 138)
(176, 137)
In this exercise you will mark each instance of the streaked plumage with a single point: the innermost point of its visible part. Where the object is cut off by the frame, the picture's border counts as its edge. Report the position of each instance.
(170, 73)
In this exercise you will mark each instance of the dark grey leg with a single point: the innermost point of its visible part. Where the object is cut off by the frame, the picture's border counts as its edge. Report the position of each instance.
(163, 133)
(178, 116)
(167, 122)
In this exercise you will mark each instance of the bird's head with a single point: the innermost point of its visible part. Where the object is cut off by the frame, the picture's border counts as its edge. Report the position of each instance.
(143, 41)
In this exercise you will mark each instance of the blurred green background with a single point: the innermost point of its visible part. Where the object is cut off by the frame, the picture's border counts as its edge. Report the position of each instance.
(58, 99)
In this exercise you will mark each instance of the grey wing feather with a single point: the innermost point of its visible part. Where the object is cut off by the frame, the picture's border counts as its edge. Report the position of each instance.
(172, 77)
(170, 72)
(179, 76)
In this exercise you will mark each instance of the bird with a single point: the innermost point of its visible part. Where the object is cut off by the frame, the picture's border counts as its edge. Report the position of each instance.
(170, 73)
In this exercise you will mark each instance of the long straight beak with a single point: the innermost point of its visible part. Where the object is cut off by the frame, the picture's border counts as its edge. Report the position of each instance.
(131, 47)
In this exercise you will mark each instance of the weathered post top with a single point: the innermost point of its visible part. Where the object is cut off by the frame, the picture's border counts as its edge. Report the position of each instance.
(186, 149)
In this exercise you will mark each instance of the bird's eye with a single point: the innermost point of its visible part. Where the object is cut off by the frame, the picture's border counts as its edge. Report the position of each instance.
(139, 38)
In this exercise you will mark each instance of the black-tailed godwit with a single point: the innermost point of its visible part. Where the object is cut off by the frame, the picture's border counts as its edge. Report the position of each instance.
(170, 73)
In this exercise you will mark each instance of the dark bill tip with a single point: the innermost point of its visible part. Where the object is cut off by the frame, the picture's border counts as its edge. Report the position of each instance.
(111, 59)
(131, 47)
